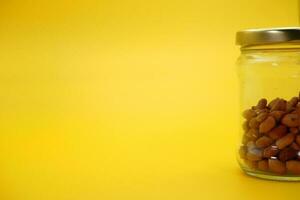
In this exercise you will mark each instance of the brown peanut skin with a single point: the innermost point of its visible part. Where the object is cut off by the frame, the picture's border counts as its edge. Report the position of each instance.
(287, 154)
(278, 132)
(276, 166)
(271, 139)
(263, 142)
(295, 146)
(298, 139)
(261, 117)
(277, 114)
(253, 123)
(262, 103)
(259, 111)
(272, 103)
(279, 105)
(252, 134)
(293, 166)
(246, 126)
(245, 139)
(270, 151)
(251, 164)
(285, 141)
(291, 104)
(249, 113)
(251, 145)
(267, 125)
(254, 154)
(263, 165)
(291, 120)
(294, 130)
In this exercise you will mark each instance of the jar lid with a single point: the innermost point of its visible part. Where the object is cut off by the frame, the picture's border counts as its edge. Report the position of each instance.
(250, 37)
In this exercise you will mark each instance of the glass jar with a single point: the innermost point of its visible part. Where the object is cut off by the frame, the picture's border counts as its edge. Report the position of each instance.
(269, 74)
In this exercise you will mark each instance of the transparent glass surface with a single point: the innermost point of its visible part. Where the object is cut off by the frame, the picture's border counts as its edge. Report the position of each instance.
(270, 113)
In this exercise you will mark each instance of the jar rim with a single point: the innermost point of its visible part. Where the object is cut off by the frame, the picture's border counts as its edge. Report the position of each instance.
(267, 36)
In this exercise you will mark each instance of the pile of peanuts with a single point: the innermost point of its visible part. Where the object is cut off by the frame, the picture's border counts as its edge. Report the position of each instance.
(271, 139)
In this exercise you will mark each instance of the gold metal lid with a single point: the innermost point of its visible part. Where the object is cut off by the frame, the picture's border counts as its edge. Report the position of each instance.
(251, 37)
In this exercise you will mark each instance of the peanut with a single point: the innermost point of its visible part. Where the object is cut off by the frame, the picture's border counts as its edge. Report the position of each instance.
(270, 151)
(245, 126)
(295, 146)
(263, 142)
(251, 164)
(253, 123)
(291, 104)
(267, 125)
(277, 114)
(287, 154)
(271, 139)
(279, 105)
(285, 141)
(263, 165)
(252, 134)
(262, 103)
(245, 139)
(291, 120)
(293, 166)
(294, 130)
(278, 132)
(254, 154)
(259, 111)
(298, 139)
(276, 166)
(261, 117)
(272, 103)
(248, 114)
(251, 145)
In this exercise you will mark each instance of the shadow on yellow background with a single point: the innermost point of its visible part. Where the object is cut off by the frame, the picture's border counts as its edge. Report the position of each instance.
(126, 99)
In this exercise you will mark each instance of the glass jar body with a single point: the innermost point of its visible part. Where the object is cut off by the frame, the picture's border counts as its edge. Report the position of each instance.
(270, 113)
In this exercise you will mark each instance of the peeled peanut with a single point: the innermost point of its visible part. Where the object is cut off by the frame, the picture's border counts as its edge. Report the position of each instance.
(291, 120)
(270, 151)
(261, 117)
(285, 141)
(276, 166)
(249, 113)
(277, 114)
(293, 166)
(287, 154)
(263, 142)
(298, 139)
(253, 123)
(278, 132)
(267, 125)
(263, 165)
(262, 103)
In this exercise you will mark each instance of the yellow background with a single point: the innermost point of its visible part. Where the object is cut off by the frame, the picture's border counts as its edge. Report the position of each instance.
(126, 99)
